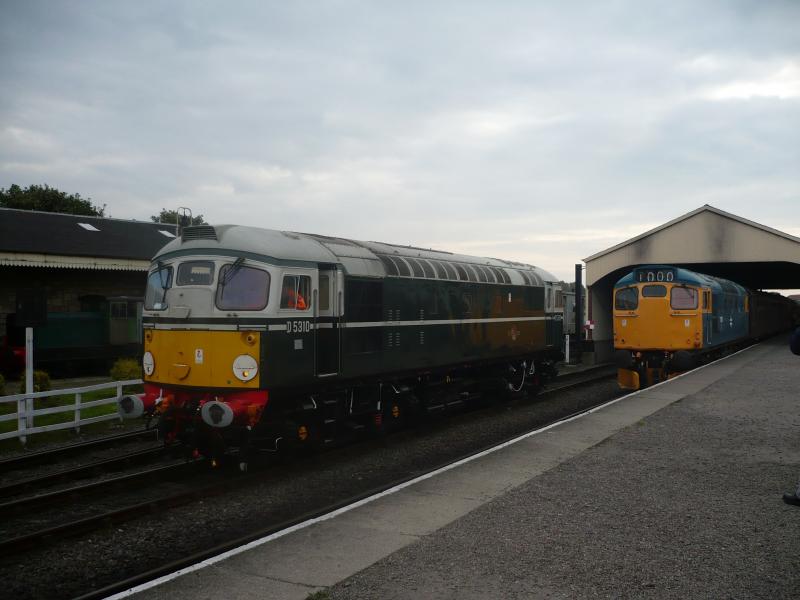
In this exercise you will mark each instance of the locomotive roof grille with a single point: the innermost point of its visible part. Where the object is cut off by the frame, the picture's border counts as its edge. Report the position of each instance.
(407, 266)
(198, 232)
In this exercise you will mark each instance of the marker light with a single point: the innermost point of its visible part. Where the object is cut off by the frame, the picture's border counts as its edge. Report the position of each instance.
(148, 363)
(245, 367)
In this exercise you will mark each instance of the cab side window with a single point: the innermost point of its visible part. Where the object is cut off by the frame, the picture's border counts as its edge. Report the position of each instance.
(296, 292)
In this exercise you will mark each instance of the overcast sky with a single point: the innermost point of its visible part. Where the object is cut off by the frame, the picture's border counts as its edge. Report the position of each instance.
(537, 131)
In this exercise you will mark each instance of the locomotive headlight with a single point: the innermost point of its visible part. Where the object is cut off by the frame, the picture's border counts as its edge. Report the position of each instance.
(148, 363)
(245, 367)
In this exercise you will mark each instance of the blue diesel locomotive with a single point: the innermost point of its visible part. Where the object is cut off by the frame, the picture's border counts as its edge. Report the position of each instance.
(668, 319)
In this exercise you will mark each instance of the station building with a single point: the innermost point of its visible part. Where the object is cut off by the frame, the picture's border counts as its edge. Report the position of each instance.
(70, 265)
(707, 240)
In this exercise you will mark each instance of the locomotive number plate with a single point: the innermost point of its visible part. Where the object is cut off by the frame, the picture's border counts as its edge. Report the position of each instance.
(298, 326)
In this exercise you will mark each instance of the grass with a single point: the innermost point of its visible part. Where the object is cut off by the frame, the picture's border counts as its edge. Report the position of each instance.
(63, 417)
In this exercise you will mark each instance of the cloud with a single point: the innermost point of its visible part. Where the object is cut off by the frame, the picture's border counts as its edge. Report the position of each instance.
(531, 131)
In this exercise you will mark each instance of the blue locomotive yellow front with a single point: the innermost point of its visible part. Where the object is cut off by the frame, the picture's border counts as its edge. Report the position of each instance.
(666, 318)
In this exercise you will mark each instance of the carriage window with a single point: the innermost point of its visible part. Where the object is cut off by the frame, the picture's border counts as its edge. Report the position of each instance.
(324, 292)
(242, 288)
(196, 272)
(119, 310)
(158, 282)
(295, 292)
(682, 298)
(654, 291)
(559, 299)
(626, 299)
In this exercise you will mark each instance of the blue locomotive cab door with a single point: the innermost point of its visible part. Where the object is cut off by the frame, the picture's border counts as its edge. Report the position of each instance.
(327, 316)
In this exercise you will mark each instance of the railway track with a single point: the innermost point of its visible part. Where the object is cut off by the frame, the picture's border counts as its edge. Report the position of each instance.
(53, 455)
(90, 469)
(187, 483)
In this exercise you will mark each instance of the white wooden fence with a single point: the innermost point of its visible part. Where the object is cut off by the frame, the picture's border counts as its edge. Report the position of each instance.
(26, 414)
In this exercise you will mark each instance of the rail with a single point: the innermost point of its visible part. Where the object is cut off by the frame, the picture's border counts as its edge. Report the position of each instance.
(26, 413)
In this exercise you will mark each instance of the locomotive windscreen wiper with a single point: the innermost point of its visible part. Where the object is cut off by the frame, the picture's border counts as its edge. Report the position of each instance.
(230, 273)
(164, 284)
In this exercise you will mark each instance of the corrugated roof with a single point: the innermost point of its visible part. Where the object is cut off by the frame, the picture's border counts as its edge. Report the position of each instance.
(32, 232)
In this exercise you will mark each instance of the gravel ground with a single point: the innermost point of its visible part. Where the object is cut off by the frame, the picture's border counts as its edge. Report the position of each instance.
(69, 568)
(686, 503)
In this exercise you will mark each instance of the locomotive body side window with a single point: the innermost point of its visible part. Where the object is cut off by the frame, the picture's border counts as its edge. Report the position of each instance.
(324, 292)
(626, 299)
(296, 292)
(242, 288)
(158, 282)
(681, 298)
(195, 272)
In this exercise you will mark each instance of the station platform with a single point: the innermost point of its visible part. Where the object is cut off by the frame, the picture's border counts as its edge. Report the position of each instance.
(670, 492)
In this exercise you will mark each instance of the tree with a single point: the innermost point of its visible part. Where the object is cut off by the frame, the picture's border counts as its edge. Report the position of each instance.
(47, 199)
(171, 216)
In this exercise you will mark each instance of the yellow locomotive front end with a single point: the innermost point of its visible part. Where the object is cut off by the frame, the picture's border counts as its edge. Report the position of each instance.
(658, 324)
(202, 363)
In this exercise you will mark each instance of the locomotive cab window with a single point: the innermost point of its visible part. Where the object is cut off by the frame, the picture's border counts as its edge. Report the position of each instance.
(242, 288)
(158, 282)
(626, 299)
(654, 291)
(682, 298)
(296, 292)
(196, 272)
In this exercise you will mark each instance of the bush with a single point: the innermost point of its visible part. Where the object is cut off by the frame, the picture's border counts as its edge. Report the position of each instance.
(41, 382)
(2, 386)
(125, 369)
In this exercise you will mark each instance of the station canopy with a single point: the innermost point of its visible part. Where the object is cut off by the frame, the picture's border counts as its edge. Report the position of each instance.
(711, 241)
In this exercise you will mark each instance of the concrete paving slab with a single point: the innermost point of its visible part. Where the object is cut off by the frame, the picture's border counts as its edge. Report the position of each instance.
(410, 512)
(216, 583)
